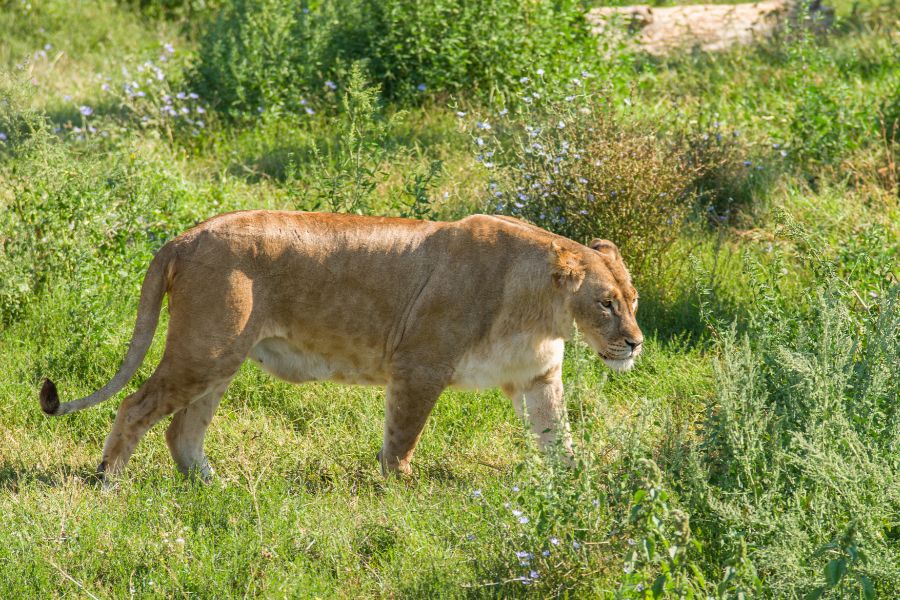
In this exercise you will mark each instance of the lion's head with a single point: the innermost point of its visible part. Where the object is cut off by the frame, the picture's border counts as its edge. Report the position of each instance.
(603, 302)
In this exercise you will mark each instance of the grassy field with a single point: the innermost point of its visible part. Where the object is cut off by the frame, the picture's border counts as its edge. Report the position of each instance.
(753, 452)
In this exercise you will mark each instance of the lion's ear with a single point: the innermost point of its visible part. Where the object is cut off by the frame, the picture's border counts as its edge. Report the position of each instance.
(568, 270)
(605, 247)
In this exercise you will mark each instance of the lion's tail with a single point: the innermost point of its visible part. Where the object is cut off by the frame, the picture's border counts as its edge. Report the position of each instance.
(156, 283)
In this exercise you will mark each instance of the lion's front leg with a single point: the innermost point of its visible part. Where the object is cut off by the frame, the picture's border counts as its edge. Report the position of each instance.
(546, 410)
(408, 402)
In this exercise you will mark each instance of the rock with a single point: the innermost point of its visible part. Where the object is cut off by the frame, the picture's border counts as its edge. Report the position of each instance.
(709, 27)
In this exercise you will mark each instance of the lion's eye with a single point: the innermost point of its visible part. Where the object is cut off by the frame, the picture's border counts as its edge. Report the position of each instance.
(606, 304)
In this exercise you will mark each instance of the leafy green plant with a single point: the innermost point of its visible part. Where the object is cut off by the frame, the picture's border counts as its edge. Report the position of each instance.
(806, 397)
(275, 55)
(659, 563)
(844, 570)
(418, 204)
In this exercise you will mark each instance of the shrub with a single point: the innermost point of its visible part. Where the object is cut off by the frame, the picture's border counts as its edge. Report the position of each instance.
(800, 441)
(150, 96)
(174, 9)
(259, 54)
(573, 167)
(271, 54)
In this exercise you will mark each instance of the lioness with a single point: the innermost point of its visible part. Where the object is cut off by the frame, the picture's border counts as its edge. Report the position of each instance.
(417, 306)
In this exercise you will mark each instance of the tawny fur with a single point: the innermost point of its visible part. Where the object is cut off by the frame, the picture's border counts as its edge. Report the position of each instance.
(416, 306)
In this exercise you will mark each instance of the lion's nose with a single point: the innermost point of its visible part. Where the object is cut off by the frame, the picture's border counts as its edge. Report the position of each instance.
(634, 345)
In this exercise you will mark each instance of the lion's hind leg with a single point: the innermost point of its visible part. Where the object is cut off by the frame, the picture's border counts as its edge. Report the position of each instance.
(171, 389)
(141, 410)
(187, 431)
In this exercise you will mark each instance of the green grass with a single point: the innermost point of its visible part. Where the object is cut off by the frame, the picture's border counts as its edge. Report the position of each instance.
(782, 450)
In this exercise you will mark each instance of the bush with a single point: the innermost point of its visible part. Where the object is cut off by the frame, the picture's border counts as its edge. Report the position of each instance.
(573, 167)
(272, 54)
(800, 442)
(174, 9)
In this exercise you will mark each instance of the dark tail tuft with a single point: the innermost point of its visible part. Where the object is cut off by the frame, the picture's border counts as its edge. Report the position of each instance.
(49, 398)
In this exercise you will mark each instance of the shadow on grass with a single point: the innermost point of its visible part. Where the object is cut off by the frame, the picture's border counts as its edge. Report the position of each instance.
(287, 148)
(277, 163)
(69, 114)
(670, 309)
(13, 476)
(359, 474)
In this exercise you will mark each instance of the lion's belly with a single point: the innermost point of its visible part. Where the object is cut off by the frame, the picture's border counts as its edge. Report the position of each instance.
(286, 361)
(512, 361)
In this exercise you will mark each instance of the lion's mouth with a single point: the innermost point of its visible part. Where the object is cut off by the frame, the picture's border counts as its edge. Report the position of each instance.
(609, 357)
(627, 356)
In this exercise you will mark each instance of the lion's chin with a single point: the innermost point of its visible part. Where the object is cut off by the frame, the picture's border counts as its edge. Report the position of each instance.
(619, 365)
